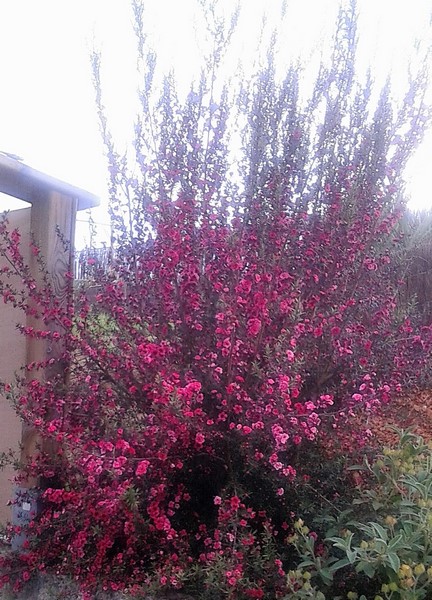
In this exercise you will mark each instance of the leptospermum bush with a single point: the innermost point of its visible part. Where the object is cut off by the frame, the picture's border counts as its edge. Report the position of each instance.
(250, 307)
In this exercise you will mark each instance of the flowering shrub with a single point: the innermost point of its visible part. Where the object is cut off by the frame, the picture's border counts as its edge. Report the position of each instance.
(241, 318)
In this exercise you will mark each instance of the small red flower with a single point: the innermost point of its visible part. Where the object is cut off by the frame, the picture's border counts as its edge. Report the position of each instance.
(235, 503)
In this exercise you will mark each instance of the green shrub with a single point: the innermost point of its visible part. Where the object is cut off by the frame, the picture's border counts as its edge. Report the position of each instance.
(387, 540)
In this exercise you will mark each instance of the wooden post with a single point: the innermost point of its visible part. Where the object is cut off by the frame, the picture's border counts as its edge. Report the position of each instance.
(50, 217)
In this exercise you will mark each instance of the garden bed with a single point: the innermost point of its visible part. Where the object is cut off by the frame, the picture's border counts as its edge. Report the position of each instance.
(410, 411)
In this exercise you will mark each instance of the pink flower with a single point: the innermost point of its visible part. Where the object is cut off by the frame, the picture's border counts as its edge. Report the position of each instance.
(290, 472)
(235, 503)
(254, 327)
(199, 439)
(290, 355)
(119, 462)
(244, 286)
(217, 500)
(284, 306)
(194, 387)
(326, 400)
(142, 468)
(254, 593)
(370, 264)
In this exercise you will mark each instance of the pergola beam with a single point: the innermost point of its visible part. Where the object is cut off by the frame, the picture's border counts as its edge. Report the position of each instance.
(21, 181)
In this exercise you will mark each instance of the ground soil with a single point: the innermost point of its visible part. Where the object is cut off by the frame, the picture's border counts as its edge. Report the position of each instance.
(413, 411)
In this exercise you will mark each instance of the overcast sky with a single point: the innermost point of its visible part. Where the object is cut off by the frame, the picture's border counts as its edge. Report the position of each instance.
(47, 112)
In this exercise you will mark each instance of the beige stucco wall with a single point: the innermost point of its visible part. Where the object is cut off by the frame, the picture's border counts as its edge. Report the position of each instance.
(12, 357)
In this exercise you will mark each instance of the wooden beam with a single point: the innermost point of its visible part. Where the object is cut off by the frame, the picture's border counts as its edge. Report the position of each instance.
(21, 181)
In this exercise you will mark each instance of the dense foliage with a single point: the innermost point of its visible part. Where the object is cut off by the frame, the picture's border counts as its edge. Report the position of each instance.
(389, 557)
(250, 310)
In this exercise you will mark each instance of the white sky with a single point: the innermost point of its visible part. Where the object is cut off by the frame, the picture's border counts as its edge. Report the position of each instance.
(47, 112)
